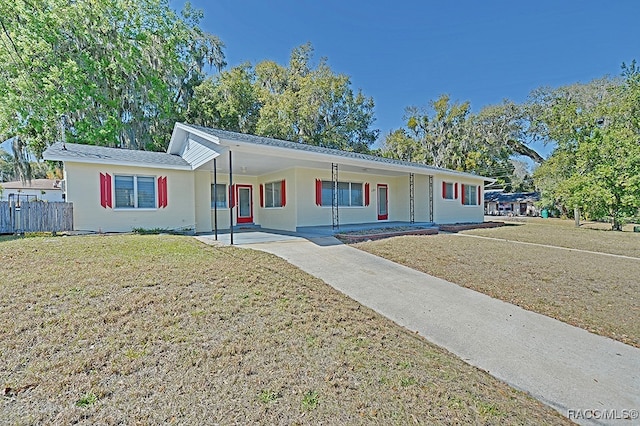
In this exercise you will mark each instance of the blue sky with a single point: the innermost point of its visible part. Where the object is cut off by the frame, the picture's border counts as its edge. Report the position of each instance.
(409, 52)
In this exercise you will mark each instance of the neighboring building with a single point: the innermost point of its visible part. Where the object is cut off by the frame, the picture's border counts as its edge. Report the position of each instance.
(268, 182)
(498, 203)
(34, 190)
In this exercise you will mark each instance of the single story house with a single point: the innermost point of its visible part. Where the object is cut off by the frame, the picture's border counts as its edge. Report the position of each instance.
(33, 190)
(214, 179)
(499, 203)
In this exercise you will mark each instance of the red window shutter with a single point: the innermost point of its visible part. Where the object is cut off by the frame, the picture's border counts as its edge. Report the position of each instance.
(103, 191)
(162, 192)
(479, 194)
(462, 188)
(318, 192)
(232, 196)
(283, 192)
(166, 193)
(261, 195)
(366, 194)
(109, 197)
(455, 188)
(444, 189)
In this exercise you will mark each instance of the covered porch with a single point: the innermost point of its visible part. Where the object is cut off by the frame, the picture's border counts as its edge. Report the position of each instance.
(246, 170)
(242, 235)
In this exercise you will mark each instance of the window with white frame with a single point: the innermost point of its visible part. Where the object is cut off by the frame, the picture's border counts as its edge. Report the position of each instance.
(219, 195)
(350, 194)
(273, 194)
(133, 191)
(469, 195)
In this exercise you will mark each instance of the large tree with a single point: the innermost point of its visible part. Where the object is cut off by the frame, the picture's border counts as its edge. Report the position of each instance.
(227, 101)
(6, 166)
(297, 102)
(108, 72)
(447, 134)
(596, 164)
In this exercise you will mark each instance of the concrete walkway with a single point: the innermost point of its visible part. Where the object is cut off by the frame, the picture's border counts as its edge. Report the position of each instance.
(588, 378)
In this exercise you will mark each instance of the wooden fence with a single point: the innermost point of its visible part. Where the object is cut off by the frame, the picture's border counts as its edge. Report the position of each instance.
(35, 216)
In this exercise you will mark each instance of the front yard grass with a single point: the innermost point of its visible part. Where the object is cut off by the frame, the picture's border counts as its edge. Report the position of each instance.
(591, 236)
(595, 292)
(165, 330)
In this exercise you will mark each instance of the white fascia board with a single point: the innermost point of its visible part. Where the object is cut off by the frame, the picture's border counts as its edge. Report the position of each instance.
(184, 134)
(119, 163)
(180, 134)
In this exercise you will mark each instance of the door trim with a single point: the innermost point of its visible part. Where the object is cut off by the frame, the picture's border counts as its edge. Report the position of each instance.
(386, 207)
(244, 219)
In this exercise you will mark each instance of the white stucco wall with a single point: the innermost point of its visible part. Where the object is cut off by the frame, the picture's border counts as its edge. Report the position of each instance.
(283, 218)
(453, 211)
(83, 190)
(189, 200)
(202, 194)
(311, 215)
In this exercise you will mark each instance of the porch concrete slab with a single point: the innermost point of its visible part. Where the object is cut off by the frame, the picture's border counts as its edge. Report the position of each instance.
(251, 237)
(565, 367)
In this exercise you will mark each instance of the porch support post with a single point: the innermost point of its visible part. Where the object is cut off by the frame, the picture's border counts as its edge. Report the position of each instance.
(335, 221)
(232, 196)
(215, 199)
(431, 198)
(412, 191)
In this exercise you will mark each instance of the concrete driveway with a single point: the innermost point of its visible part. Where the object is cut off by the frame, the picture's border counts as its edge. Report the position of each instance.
(588, 378)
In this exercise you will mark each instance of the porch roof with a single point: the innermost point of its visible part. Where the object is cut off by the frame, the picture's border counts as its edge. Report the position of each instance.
(195, 147)
(257, 155)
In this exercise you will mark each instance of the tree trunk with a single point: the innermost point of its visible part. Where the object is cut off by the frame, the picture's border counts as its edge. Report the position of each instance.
(616, 225)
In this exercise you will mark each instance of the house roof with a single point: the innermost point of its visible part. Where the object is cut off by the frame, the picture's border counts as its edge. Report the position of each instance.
(510, 197)
(39, 184)
(104, 155)
(194, 147)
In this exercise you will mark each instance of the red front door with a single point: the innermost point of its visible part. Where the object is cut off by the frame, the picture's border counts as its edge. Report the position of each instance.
(383, 202)
(245, 204)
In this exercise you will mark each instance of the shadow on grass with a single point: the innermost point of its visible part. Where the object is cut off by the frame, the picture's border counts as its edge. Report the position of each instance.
(11, 237)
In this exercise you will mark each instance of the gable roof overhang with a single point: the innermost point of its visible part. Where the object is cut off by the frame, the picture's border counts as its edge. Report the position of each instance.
(255, 155)
(92, 154)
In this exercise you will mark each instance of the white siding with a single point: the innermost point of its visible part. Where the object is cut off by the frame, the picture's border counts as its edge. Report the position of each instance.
(197, 154)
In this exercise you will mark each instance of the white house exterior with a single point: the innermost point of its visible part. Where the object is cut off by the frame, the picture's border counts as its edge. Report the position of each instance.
(511, 203)
(260, 181)
(34, 190)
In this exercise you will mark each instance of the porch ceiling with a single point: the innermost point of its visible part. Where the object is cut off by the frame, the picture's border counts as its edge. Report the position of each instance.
(257, 156)
(250, 163)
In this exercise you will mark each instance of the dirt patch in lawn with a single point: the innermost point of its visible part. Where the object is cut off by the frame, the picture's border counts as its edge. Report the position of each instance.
(591, 291)
(166, 330)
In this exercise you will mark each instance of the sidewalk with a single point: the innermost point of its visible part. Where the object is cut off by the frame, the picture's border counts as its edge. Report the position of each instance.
(568, 368)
